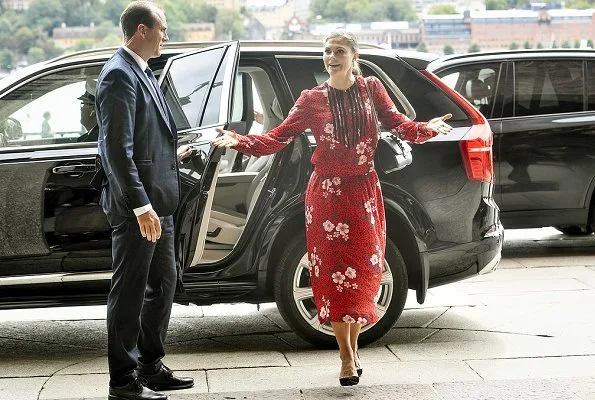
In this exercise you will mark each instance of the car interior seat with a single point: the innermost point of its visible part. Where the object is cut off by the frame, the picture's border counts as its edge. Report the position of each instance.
(479, 93)
(226, 224)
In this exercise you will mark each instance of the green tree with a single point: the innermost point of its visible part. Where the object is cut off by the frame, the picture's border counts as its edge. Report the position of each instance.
(229, 24)
(48, 14)
(421, 46)
(539, 46)
(554, 44)
(197, 11)
(6, 59)
(474, 48)
(442, 9)
(112, 9)
(84, 44)
(81, 12)
(35, 55)
(513, 46)
(496, 5)
(566, 44)
(590, 43)
(24, 39)
(103, 29)
(448, 50)
(527, 45)
(362, 10)
(577, 44)
(110, 40)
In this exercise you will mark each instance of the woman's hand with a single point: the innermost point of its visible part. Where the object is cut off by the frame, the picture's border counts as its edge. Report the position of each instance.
(226, 139)
(438, 125)
(183, 152)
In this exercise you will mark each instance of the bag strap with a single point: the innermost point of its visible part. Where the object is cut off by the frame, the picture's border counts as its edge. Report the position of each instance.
(371, 99)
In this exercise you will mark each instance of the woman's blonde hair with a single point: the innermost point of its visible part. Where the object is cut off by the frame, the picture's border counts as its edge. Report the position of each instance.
(351, 41)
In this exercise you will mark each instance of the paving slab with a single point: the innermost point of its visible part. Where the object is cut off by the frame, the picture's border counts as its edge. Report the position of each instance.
(96, 386)
(21, 388)
(37, 367)
(404, 335)
(419, 317)
(223, 360)
(380, 392)
(556, 261)
(249, 379)
(466, 350)
(257, 342)
(331, 357)
(509, 390)
(542, 367)
(519, 286)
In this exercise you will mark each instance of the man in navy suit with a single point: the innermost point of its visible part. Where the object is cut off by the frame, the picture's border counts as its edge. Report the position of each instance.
(140, 192)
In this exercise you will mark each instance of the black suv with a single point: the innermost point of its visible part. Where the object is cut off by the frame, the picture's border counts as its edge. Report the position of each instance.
(541, 107)
(240, 228)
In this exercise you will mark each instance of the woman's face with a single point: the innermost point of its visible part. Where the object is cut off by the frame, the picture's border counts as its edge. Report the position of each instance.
(338, 57)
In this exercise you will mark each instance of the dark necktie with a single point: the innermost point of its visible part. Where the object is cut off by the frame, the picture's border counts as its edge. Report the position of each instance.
(156, 87)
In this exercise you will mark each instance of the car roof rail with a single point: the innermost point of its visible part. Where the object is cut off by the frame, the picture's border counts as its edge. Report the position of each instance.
(512, 52)
(182, 45)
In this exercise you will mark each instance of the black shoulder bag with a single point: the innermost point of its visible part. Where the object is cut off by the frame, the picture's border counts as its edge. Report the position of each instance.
(392, 154)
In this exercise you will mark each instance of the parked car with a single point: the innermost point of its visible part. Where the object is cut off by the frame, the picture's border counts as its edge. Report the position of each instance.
(541, 107)
(240, 228)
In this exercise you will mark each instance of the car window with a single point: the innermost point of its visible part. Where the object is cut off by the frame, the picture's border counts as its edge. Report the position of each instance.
(477, 83)
(307, 73)
(186, 88)
(548, 87)
(54, 109)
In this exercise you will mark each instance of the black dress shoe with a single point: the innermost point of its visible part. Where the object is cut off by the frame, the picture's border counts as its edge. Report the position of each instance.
(349, 380)
(134, 391)
(164, 379)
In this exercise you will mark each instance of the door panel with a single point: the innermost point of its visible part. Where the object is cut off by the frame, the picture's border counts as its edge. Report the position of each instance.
(547, 152)
(198, 87)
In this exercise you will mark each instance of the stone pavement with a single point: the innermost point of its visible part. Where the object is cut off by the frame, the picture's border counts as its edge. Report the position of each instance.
(524, 332)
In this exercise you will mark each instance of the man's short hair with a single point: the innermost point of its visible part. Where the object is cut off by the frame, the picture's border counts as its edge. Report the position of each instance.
(136, 13)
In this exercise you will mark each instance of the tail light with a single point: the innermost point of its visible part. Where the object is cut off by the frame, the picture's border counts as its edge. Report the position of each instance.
(476, 145)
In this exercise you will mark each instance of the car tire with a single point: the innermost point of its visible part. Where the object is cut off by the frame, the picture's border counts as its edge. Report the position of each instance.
(293, 295)
(575, 230)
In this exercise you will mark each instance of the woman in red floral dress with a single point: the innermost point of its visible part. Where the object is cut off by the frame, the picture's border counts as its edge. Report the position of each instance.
(345, 224)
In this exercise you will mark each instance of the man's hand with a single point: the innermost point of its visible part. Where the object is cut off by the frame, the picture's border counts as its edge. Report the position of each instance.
(183, 152)
(149, 224)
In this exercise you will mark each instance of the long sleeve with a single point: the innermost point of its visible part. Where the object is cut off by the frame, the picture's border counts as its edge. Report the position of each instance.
(276, 139)
(117, 103)
(398, 124)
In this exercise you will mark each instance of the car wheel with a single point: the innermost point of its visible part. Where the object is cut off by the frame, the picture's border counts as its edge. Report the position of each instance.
(295, 301)
(575, 230)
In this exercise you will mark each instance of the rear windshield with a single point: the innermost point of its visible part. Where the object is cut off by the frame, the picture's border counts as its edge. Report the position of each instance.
(427, 100)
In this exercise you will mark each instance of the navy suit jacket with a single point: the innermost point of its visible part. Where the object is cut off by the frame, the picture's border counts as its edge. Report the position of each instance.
(137, 142)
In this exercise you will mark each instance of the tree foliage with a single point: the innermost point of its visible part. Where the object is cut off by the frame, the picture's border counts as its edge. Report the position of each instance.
(442, 9)
(474, 48)
(448, 50)
(362, 10)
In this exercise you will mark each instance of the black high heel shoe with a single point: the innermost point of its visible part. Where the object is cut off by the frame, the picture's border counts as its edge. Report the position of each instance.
(349, 380)
(358, 364)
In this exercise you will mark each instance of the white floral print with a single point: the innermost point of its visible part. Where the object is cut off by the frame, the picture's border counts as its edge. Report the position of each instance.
(371, 209)
(362, 159)
(348, 319)
(338, 277)
(324, 310)
(350, 273)
(328, 226)
(309, 216)
(360, 148)
(341, 230)
(328, 189)
(362, 321)
(314, 262)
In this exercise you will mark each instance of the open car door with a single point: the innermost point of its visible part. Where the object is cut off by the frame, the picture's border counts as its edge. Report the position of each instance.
(198, 87)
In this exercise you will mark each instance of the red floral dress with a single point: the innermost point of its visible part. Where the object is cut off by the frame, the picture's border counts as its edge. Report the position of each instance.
(345, 225)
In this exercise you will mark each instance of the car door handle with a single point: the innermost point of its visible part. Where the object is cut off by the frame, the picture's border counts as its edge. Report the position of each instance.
(77, 169)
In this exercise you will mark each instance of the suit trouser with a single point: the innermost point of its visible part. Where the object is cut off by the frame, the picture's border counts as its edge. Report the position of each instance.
(140, 300)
